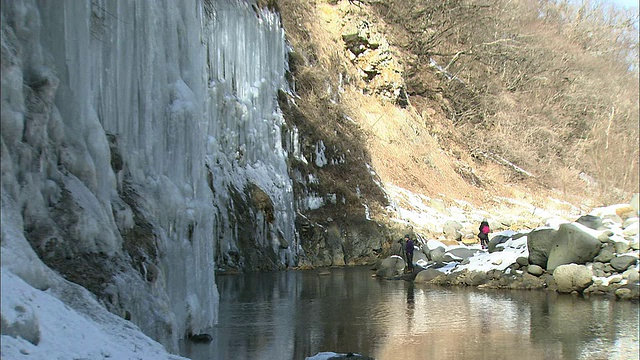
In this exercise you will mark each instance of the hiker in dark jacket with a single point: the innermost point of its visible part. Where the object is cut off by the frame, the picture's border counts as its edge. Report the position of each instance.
(483, 235)
(409, 251)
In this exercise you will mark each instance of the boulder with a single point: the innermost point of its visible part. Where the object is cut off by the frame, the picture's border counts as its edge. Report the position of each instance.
(631, 275)
(427, 275)
(615, 279)
(437, 254)
(430, 246)
(391, 267)
(622, 263)
(470, 239)
(539, 244)
(572, 244)
(623, 294)
(621, 246)
(607, 268)
(520, 281)
(451, 230)
(498, 239)
(459, 254)
(605, 255)
(419, 255)
(625, 212)
(590, 221)
(572, 277)
(605, 237)
(535, 270)
(501, 222)
(631, 229)
(436, 264)
(523, 261)
(475, 278)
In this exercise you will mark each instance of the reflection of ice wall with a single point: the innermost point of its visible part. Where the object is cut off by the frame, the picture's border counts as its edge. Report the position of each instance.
(125, 106)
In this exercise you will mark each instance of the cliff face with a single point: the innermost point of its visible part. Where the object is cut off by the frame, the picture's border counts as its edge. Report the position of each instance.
(147, 145)
(141, 142)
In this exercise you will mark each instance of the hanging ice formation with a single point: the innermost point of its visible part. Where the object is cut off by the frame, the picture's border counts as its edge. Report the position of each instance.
(140, 141)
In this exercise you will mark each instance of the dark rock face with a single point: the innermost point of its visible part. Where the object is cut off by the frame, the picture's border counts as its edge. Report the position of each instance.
(357, 242)
(349, 356)
(252, 214)
(201, 338)
(539, 243)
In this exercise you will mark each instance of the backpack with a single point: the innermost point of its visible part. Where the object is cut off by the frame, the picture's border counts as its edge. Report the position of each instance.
(485, 229)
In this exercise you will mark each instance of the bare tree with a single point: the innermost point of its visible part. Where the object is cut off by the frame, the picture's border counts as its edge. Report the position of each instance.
(532, 81)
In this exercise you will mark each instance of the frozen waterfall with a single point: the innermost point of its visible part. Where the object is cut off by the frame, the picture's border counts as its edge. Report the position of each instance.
(127, 126)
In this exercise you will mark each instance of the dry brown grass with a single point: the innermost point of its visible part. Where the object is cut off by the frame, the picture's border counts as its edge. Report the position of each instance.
(426, 150)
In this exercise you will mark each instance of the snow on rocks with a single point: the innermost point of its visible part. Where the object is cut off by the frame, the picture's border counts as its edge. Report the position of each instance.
(593, 254)
(37, 325)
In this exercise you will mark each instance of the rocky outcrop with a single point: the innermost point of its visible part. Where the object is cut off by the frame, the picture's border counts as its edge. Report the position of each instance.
(339, 243)
(377, 66)
(574, 258)
(572, 244)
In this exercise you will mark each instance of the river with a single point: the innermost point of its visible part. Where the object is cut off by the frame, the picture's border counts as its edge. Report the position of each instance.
(296, 314)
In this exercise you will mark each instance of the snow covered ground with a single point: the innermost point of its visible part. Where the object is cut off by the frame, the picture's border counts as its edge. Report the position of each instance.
(40, 326)
(45, 316)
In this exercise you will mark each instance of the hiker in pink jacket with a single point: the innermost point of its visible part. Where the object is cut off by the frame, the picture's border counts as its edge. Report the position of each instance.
(483, 235)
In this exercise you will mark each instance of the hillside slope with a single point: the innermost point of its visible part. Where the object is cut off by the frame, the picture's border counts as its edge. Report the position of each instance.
(349, 58)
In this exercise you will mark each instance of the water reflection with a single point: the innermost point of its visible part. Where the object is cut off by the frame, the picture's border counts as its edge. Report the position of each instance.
(292, 315)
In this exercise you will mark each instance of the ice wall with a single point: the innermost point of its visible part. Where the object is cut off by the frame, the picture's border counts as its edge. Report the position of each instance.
(126, 127)
(244, 146)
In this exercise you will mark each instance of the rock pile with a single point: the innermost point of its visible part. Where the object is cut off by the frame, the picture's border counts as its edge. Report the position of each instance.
(597, 254)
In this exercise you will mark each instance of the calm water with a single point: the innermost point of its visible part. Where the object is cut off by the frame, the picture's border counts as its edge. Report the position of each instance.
(295, 314)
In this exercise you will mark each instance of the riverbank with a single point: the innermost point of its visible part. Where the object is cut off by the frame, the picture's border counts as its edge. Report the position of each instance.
(595, 255)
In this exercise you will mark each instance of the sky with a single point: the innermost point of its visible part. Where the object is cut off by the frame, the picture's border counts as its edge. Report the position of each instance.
(627, 3)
